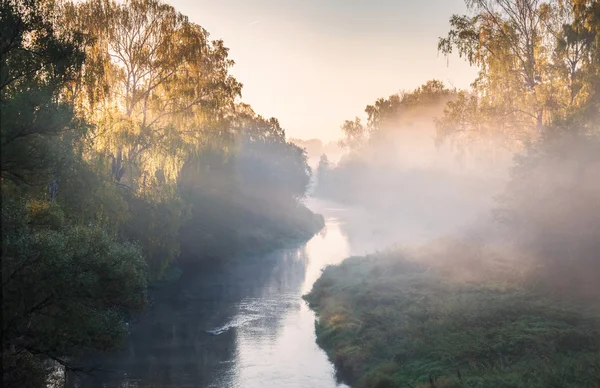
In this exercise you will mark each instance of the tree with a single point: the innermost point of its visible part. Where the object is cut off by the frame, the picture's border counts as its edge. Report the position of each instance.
(266, 162)
(155, 226)
(37, 127)
(66, 287)
(65, 290)
(533, 58)
(394, 114)
(246, 197)
(323, 169)
(154, 89)
(389, 112)
(549, 206)
(356, 134)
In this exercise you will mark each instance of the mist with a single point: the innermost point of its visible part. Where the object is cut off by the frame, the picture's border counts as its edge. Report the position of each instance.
(160, 231)
(527, 204)
(404, 175)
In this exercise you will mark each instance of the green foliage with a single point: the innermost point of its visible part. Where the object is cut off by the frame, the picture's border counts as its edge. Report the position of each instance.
(37, 129)
(389, 322)
(65, 289)
(32, 50)
(102, 104)
(88, 195)
(155, 226)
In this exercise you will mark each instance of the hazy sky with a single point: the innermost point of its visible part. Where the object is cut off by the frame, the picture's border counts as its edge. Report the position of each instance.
(314, 63)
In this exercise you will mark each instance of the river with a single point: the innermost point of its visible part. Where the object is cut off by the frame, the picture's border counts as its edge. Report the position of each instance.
(246, 326)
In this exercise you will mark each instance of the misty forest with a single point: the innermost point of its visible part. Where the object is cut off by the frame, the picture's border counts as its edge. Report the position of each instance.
(157, 231)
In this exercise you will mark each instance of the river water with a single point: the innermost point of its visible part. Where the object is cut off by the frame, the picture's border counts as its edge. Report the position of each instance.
(246, 326)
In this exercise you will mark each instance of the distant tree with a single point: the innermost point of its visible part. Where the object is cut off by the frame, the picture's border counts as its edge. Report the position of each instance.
(390, 111)
(394, 113)
(323, 169)
(356, 134)
(247, 196)
(267, 162)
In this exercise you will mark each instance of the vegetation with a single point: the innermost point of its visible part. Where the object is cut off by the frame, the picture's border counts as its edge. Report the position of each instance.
(468, 314)
(392, 153)
(65, 290)
(389, 320)
(126, 155)
(249, 203)
(123, 146)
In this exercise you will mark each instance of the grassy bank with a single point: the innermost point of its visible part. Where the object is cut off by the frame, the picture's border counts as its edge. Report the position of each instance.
(386, 321)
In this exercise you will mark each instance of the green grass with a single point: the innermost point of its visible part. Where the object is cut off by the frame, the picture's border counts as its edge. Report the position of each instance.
(388, 322)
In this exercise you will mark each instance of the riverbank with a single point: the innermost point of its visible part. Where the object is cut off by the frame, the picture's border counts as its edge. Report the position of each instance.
(217, 242)
(387, 320)
(265, 331)
(222, 229)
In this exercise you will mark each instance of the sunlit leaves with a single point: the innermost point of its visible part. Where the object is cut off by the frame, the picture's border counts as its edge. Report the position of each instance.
(165, 86)
(534, 59)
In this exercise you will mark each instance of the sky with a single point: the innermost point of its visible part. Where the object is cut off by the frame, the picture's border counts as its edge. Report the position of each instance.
(315, 63)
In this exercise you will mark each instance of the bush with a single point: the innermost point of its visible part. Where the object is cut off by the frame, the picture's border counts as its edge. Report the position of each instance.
(65, 290)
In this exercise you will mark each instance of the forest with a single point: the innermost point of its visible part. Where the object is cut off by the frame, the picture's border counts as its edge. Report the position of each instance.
(127, 158)
(507, 299)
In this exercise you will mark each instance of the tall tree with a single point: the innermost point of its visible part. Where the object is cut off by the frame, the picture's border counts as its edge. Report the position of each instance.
(155, 88)
(533, 58)
(65, 286)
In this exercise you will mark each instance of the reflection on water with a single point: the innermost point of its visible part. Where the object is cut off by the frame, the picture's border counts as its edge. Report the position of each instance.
(244, 327)
(247, 326)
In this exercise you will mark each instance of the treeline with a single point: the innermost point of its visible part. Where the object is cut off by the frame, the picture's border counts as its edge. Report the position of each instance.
(394, 165)
(524, 139)
(514, 303)
(124, 151)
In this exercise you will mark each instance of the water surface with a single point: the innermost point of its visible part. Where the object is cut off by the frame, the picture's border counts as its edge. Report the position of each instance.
(246, 326)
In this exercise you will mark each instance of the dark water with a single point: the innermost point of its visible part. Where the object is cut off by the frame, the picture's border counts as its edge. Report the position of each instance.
(243, 327)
